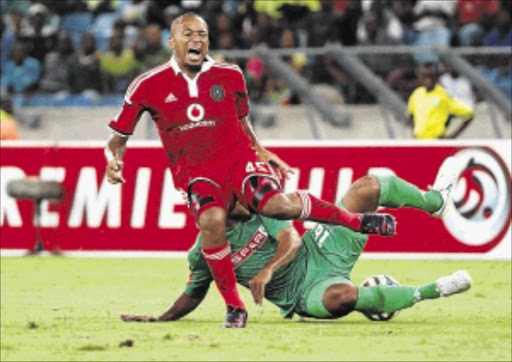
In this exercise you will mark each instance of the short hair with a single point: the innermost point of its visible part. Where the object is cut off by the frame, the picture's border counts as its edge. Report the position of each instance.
(431, 65)
(180, 18)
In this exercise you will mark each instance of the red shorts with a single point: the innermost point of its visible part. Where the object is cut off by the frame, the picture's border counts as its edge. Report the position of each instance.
(245, 178)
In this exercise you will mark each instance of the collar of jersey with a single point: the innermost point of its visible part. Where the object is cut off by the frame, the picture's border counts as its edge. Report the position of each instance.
(207, 64)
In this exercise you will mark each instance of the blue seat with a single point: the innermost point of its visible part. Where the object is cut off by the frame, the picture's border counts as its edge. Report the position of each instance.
(76, 24)
(102, 29)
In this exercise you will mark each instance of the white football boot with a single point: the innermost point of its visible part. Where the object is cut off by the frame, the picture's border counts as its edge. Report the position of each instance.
(444, 183)
(458, 282)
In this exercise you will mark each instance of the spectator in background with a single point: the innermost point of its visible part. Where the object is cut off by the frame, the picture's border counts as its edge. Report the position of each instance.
(277, 92)
(8, 125)
(84, 68)
(222, 25)
(134, 13)
(155, 13)
(403, 10)
(474, 17)
(97, 7)
(459, 87)
(256, 79)
(15, 19)
(56, 65)
(149, 51)
(21, 74)
(379, 27)
(263, 32)
(404, 80)
(40, 37)
(433, 26)
(346, 27)
(8, 39)
(117, 65)
(322, 25)
(245, 20)
(501, 35)
(431, 109)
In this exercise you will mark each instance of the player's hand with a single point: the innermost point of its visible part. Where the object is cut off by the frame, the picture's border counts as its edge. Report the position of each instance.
(258, 283)
(282, 169)
(137, 318)
(114, 169)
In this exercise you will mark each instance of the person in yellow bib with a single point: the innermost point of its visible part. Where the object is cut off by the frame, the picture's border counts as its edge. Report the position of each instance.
(431, 108)
(8, 125)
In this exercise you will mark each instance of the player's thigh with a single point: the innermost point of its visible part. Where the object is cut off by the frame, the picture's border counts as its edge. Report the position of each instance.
(204, 194)
(312, 303)
(255, 183)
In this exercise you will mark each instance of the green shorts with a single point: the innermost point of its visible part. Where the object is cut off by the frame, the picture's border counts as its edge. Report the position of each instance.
(332, 252)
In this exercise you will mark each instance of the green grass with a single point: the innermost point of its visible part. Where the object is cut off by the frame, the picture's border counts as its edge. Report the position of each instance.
(67, 309)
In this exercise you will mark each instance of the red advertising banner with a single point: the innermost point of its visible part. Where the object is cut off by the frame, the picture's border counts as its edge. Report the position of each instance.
(147, 214)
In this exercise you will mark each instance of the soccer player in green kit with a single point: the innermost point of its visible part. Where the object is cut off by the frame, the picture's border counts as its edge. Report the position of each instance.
(310, 276)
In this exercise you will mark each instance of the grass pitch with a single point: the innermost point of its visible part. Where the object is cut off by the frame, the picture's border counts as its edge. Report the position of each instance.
(55, 309)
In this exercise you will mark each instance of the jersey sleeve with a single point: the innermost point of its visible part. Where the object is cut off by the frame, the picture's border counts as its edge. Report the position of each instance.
(274, 226)
(126, 120)
(200, 277)
(459, 109)
(241, 96)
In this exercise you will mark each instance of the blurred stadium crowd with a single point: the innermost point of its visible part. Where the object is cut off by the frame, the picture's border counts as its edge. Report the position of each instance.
(94, 48)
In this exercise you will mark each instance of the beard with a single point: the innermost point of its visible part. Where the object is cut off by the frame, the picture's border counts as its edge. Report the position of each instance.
(193, 68)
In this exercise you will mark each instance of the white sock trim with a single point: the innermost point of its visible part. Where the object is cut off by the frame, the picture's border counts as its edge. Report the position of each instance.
(218, 255)
(306, 204)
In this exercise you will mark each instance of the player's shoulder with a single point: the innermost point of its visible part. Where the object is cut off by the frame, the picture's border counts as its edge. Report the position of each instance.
(225, 67)
(441, 91)
(150, 75)
(418, 91)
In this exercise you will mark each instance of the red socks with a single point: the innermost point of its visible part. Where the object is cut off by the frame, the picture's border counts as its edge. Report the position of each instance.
(221, 267)
(315, 209)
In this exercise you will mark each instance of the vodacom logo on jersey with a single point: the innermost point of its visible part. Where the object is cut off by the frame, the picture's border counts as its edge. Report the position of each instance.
(195, 114)
(481, 198)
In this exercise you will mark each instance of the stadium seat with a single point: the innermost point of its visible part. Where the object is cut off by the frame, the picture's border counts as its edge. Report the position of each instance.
(102, 29)
(76, 24)
(501, 80)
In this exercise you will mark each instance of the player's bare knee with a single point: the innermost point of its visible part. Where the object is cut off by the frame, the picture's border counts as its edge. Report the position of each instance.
(282, 206)
(340, 299)
(363, 195)
(212, 221)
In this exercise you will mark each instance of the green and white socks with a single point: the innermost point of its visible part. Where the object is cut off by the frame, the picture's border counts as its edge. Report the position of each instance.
(388, 299)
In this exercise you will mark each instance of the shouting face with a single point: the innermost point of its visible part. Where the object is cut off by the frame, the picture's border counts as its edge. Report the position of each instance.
(189, 41)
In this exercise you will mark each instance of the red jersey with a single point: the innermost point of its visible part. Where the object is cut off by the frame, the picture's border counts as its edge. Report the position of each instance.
(197, 119)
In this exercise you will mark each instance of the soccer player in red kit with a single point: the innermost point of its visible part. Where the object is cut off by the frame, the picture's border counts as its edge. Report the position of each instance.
(201, 108)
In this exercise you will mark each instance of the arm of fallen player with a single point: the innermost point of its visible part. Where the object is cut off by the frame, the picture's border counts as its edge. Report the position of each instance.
(180, 308)
(289, 243)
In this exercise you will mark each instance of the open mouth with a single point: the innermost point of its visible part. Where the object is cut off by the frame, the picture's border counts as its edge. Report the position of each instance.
(194, 54)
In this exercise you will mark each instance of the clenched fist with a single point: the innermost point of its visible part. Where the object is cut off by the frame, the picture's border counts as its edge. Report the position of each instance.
(114, 168)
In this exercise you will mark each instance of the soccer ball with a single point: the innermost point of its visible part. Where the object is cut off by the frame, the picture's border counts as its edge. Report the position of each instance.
(380, 279)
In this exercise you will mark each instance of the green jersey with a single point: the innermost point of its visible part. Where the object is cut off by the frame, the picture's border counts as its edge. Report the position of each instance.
(327, 255)
(253, 244)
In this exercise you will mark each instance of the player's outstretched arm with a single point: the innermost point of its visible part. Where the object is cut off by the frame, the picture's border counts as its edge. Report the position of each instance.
(114, 152)
(281, 167)
(289, 242)
(180, 308)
